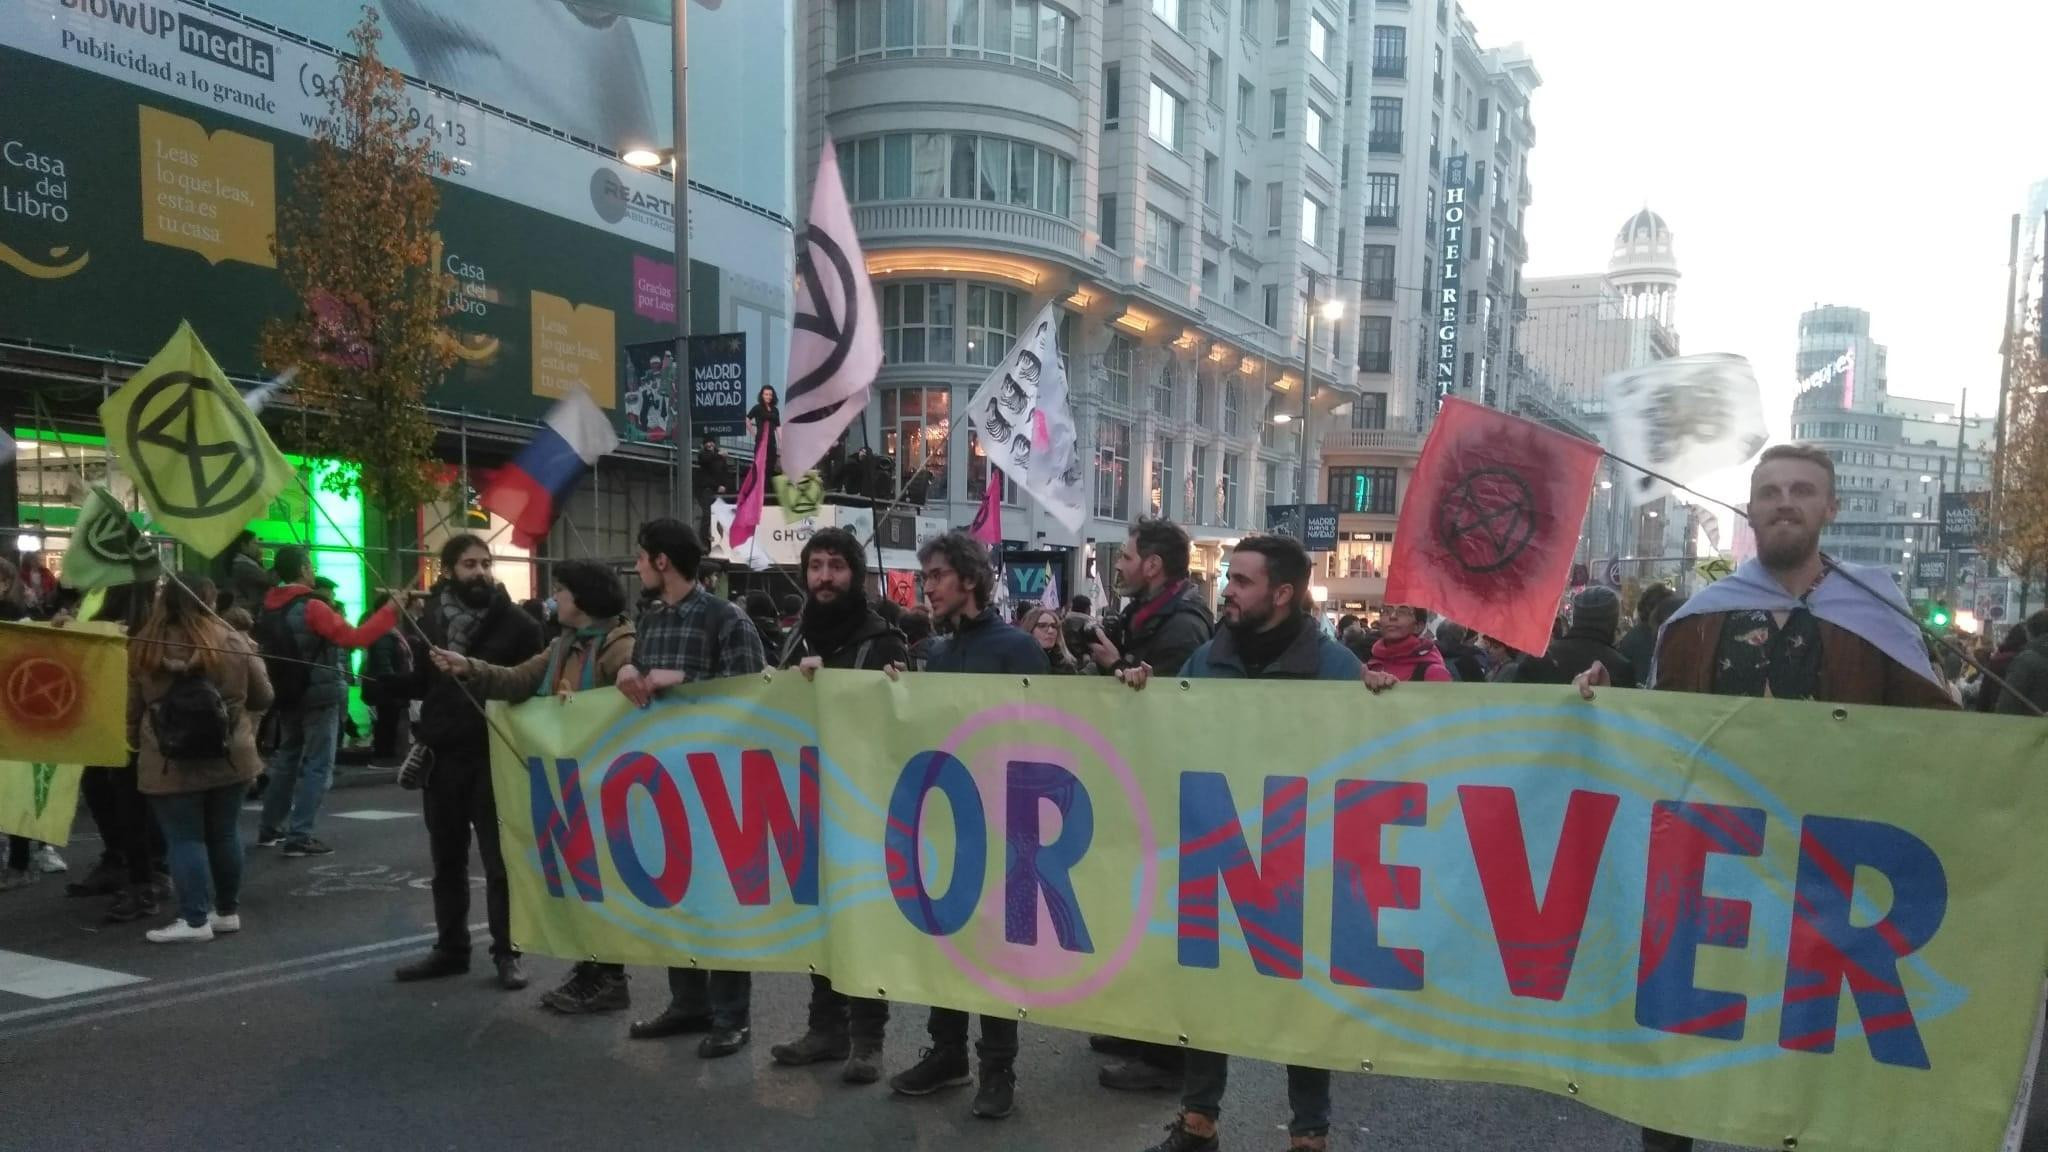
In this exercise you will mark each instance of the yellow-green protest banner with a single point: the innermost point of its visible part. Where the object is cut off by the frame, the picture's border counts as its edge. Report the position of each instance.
(39, 801)
(1751, 921)
(63, 693)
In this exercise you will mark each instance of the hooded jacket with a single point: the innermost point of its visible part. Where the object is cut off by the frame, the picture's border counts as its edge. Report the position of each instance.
(450, 721)
(322, 637)
(244, 687)
(1414, 658)
(1166, 636)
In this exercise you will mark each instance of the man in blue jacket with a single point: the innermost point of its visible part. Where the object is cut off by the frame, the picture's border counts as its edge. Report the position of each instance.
(1268, 634)
(960, 583)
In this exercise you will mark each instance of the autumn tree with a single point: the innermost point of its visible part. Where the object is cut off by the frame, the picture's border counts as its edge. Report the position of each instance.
(355, 244)
(2020, 523)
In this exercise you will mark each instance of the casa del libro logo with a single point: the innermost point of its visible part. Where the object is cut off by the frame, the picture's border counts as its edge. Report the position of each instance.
(35, 186)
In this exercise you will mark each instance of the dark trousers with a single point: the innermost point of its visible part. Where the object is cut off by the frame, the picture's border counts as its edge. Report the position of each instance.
(948, 1028)
(458, 800)
(727, 997)
(134, 834)
(835, 1014)
(1167, 1056)
(96, 786)
(21, 849)
(385, 722)
(1655, 1141)
(1308, 1092)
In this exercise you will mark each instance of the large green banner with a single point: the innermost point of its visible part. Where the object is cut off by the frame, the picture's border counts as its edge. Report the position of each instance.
(1751, 921)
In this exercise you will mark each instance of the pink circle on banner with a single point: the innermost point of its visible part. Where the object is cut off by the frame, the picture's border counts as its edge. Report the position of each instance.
(1148, 846)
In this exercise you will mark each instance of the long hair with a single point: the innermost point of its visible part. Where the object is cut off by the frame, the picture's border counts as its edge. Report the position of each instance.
(179, 627)
(1030, 622)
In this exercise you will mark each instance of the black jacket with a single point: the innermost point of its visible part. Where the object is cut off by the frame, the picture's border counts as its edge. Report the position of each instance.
(1639, 645)
(1169, 636)
(1576, 652)
(986, 644)
(872, 646)
(449, 722)
(2028, 678)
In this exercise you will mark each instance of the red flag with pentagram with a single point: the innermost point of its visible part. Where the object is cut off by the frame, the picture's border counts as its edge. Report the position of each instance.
(1490, 523)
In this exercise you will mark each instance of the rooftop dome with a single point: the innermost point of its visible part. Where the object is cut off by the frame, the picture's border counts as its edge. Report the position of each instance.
(1643, 226)
(1643, 250)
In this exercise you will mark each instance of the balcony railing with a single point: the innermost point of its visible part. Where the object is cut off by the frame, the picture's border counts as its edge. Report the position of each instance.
(1341, 438)
(1382, 216)
(1390, 67)
(967, 220)
(1383, 142)
(1378, 288)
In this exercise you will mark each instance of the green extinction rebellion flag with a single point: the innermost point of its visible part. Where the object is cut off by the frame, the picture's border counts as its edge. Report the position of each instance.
(202, 461)
(106, 547)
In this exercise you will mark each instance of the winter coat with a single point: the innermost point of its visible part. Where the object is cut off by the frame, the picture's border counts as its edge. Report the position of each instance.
(567, 655)
(1989, 693)
(1168, 635)
(450, 722)
(323, 637)
(873, 645)
(1414, 658)
(1312, 656)
(387, 664)
(1637, 647)
(1853, 670)
(244, 687)
(986, 644)
(1580, 648)
(2028, 678)
(250, 582)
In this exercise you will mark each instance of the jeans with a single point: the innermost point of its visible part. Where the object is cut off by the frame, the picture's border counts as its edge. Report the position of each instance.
(727, 997)
(835, 1014)
(1655, 1141)
(458, 799)
(203, 833)
(948, 1028)
(1308, 1092)
(301, 769)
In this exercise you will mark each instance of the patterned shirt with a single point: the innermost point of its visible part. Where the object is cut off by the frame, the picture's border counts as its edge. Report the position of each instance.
(700, 635)
(1758, 656)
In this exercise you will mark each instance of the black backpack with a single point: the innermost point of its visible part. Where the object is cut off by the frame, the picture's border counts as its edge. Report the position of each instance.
(191, 720)
(290, 669)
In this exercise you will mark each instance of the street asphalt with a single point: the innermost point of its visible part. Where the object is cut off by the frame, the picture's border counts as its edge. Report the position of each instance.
(293, 1036)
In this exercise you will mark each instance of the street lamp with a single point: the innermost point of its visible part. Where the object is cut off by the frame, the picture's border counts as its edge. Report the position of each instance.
(1282, 418)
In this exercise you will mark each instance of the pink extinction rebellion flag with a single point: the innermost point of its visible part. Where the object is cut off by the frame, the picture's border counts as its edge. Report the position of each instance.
(746, 517)
(835, 344)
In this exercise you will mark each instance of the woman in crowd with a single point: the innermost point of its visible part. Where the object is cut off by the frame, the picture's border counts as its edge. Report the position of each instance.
(196, 689)
(596, 640)
(764, 419)
(1043, 625)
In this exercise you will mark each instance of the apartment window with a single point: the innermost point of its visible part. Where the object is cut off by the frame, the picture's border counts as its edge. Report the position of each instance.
(958, 166)
(1157, 491)
(1436, 135)
(1215, 81)
(991, 324)
(1197, 494)
(1248, 17)
(1382, 198)
(1437, 82)
(1279, 101)
(1166, 116)
(1376, 343)
(1170, 12)
(1283, 15)
(1429, 216)
(1162, 390)
(1241, 294)
(1116, 366)
(1385, 133)
(1241, 202)
(1163, 242)
(1271, 312)
(1311, 222)
(1272, 471)
(1318, 38)
(917, 323)
(978, 474)
(1363, 490)
(1203, 412)
(1226, 492)
(1106, 217)
(1112, 469)
(1317, 124)
(1245, 95)
(1230, 408)
(1212, 180)
(1112, 94)
(1022, 33)
(915, 422)
(1379, 272)
(1369, 412)
(1390, 51)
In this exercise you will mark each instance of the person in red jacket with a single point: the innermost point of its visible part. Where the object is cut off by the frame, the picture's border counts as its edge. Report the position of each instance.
(305, 645)
(1404, 651)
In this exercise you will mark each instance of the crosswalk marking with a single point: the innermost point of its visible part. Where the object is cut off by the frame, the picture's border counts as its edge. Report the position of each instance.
(41, 979)
(374, 814)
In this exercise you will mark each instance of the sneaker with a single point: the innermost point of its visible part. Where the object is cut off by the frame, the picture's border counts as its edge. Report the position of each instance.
(589, 989)
(863, 1065)
(511, 977)
(12, 878)
(1180, 1138)
(812, 1048)
(936, 1068)
(1139, 1076)
(310, 846)
(268, 837)
(997, 1096)
(46, 860)
(179, 932)
(224, 925)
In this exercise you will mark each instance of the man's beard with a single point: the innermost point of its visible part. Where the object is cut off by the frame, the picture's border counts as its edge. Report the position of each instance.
(1778, 553)
(476, 593)
(1248, 622)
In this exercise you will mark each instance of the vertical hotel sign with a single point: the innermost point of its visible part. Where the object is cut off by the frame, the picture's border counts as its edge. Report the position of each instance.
(1450, 288)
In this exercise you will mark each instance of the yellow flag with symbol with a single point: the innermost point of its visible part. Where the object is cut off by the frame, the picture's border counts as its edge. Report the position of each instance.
(200, 458)
(63, 694)
(39, 801)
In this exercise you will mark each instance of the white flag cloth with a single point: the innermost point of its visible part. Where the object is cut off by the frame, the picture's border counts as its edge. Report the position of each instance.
(1026, 425)
(267, 391)
(835, 343)
(1687, 417)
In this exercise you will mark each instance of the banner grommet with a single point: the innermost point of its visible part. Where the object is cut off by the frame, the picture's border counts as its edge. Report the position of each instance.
(1365, 1065)
(1571, 1087)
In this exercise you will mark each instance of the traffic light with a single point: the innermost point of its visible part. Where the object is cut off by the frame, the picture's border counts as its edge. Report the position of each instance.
(1938, 615)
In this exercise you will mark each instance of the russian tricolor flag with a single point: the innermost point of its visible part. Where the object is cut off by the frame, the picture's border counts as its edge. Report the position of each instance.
(533, 488)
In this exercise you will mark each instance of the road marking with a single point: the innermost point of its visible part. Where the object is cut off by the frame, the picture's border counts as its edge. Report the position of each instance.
(374, 814)
(40, 979)
(212, 984)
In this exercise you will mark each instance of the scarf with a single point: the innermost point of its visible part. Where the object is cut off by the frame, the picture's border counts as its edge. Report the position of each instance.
(1152, 607)
(593, 635)
(827, 628)
(1258, 649)
(459, 619)
(1883, 620)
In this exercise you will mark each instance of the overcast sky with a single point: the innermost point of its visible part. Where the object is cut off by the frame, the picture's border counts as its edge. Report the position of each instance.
(1803, 152)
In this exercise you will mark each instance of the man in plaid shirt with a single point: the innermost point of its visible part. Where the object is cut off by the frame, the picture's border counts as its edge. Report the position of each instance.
(685, 633)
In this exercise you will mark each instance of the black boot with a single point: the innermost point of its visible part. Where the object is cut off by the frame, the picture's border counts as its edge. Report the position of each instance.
(672, 1022)
(813, 1047)
(435, 965)
(997, 1095)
